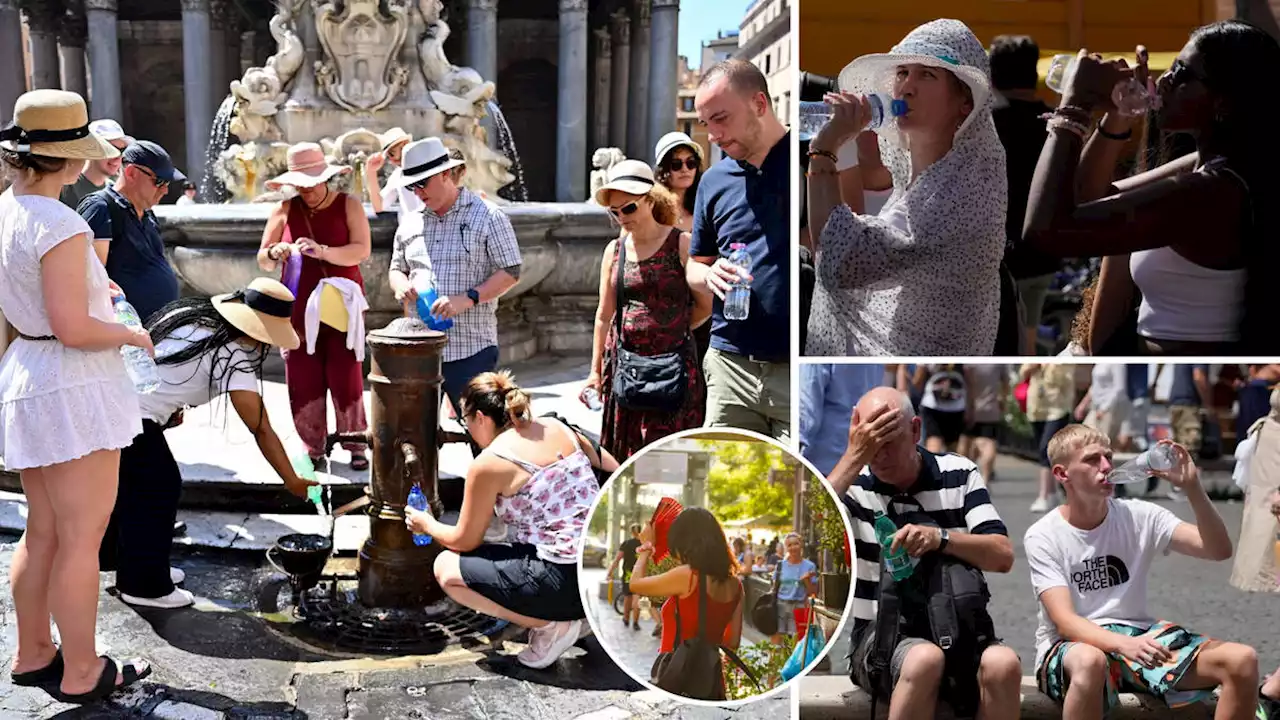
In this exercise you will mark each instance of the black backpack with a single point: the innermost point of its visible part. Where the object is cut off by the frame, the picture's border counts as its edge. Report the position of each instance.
(958, 623)
(694, 668)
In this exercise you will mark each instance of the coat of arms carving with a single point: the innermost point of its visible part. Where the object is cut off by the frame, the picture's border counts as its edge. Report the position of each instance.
(361, 44)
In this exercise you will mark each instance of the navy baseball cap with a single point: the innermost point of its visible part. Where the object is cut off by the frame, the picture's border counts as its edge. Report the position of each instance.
(152, 157)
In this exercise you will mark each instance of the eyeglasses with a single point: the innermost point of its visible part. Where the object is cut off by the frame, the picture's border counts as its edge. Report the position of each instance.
(689, 163)
(627, 209)
(158, 182)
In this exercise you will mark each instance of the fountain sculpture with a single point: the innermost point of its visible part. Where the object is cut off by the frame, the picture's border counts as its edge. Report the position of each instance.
(344, 73)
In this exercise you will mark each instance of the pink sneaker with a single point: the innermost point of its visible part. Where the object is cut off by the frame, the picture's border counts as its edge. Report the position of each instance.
(548, 643)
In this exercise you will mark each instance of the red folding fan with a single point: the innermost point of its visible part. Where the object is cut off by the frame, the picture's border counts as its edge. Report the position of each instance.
(665, 514)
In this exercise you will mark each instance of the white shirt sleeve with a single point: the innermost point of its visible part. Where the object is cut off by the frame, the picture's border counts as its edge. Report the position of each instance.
(847, 157)
(239, 377)
(1157, 524)
(390, 194)
(1043, 556)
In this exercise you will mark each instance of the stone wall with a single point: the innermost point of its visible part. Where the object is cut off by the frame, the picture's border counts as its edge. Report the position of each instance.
(527, 80)
(151, 71)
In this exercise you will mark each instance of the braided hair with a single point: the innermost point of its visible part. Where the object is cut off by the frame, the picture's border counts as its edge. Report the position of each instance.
(200, 313)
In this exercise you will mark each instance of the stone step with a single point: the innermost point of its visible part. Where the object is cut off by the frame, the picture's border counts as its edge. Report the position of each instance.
(831, 697)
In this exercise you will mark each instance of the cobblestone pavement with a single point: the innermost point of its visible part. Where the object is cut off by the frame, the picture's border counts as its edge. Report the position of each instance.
(1190, 592)
(217, 661)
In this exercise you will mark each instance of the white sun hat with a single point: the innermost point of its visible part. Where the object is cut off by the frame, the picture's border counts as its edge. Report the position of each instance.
(946, 44)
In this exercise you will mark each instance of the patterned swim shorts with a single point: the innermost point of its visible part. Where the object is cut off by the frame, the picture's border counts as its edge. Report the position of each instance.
(1125, 675)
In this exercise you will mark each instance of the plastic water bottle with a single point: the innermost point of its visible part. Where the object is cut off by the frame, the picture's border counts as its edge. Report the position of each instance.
(418, 501)
(898, 563)
(1131, 97)
(884, 109)
(427, 296)
(737, 302)
(141, 368)
(1139, 469)
(592, 399)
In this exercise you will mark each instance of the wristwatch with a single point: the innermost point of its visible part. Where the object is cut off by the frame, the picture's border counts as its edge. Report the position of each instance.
(943, 538)
(474, 296)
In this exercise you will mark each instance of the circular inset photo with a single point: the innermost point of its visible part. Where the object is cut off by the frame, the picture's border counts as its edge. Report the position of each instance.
(715, 566)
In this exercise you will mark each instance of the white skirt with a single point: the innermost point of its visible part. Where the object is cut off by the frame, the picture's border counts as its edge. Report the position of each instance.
(68, 423)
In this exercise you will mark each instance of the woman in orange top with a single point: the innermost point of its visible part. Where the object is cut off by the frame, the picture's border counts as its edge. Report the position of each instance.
(697, 542)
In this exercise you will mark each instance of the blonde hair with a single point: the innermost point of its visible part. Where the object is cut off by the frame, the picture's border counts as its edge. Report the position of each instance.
(497, 396)
(1070, 439)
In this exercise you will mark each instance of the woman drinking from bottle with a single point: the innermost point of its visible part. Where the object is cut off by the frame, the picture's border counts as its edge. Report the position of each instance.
(67, 405)
(536, 476)
(652, 308)
(205, 349)
(923, 276)
(1189, 244)
(329, 230)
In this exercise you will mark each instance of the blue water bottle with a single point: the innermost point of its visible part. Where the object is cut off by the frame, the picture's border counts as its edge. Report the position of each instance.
(427, 298)
(418, 502)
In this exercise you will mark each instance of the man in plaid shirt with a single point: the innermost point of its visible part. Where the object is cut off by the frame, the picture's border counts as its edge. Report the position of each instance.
(463, 247)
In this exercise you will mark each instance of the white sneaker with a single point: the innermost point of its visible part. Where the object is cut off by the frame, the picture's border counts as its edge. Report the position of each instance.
(1043, 505)
(176, 576)
(547, 644)
(177, 599)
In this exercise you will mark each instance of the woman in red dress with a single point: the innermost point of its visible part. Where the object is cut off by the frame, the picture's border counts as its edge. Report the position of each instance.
(658, 311)
(330, 231)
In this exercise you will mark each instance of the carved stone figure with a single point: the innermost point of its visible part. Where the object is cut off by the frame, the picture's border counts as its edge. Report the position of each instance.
(243, 168)
(289, 50)
(602, 160)
(361, 43)
(454, 90)
(258, 98)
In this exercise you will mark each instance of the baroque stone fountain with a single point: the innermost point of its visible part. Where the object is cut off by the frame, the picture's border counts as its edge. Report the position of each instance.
(343, 74)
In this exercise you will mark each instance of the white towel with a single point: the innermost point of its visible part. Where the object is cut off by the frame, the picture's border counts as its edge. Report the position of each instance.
(353, 299)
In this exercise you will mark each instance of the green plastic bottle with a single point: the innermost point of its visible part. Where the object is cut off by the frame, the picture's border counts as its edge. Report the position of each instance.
(898, 563)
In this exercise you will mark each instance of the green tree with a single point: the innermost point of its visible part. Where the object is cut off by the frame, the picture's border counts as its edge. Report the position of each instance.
(599, 524)
(738, 484)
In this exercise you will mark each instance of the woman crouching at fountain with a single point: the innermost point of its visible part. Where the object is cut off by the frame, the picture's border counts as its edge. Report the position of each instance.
(66, 404)
(330, 232)
(646, 309)
(536, 476)
(205, 348)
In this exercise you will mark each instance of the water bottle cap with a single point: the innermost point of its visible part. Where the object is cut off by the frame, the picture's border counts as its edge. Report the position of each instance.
(898, 107)
(737, 246)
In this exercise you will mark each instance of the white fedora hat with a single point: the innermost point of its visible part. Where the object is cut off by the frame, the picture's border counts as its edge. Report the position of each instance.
(421, 160)
(946, 44)
(629, 176)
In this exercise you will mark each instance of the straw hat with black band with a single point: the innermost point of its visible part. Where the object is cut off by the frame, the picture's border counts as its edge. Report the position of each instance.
(632, 177)
(54, 123)
(393, 137)
(422, 160)
(261, 311)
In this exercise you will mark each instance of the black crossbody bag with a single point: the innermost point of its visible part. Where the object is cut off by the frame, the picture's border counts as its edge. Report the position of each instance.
(645, 382)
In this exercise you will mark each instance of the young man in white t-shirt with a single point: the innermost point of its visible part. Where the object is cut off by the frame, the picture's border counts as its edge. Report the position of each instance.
(1089, 560)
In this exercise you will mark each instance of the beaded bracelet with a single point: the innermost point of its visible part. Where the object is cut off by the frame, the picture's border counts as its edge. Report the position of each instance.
(824, 153)
(1074, 112)
(812, 173)
(1114, 136)
(1061, 123)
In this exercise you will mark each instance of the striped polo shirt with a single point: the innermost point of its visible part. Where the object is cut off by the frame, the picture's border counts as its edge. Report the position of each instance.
(949, 493)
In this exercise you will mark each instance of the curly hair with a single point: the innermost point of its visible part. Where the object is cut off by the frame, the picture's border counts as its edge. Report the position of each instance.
(663, 176)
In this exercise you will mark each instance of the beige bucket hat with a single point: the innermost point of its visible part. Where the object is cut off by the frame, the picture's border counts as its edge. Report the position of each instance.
(632, 177)
(54, 123)
(308, 167)
(261, 311)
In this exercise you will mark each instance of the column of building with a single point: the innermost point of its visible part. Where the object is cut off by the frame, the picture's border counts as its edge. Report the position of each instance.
(619, 72)
(13, 74)
(638, 93)
(43, 20)
(602, 60)
(482, 50)
(217, 57)
(104, 59)
(571, 103)
(197, 76)
(71, 39)
(664, 81)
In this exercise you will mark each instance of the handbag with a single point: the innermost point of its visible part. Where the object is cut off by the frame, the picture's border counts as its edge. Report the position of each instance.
(645, 382)
(695, 667)
(764, 615)
(807, 650)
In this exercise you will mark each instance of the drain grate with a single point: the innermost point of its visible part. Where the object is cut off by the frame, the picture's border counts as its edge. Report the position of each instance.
(331, 614)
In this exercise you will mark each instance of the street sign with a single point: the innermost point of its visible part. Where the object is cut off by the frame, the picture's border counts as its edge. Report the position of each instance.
(658, 467)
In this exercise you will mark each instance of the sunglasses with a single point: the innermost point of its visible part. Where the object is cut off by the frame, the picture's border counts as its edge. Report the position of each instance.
(690, 163)
(158, 182)
(627, 209)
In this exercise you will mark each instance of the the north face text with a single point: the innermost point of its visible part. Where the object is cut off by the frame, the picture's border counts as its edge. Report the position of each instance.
(1100, 573)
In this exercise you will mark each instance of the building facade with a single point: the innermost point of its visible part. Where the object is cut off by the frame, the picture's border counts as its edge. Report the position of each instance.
(764, 38)
(572, 75)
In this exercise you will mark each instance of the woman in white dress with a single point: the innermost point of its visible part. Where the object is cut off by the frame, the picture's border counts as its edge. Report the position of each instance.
(67, 406)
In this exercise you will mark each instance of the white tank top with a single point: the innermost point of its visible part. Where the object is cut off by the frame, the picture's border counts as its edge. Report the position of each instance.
(1185, 301)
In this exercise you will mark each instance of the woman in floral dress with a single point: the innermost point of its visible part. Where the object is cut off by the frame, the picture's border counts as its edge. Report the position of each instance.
(658, 310)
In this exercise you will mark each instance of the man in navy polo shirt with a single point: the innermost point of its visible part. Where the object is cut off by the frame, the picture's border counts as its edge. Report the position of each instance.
(745, 198)
(133, 253)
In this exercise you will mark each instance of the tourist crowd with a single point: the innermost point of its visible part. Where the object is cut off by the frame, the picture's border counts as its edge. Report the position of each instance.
(991, 191)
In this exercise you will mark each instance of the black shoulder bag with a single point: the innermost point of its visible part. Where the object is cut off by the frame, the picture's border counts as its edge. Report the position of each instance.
(765, 613)
(694, 668)
(602, 475)
(644, 382)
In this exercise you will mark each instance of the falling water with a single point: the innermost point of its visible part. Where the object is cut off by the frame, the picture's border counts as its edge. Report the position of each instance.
(211, 188)
(515, 191)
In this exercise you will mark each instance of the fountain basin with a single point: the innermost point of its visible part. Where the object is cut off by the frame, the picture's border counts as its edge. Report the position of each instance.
(301, 554)
(213, 249)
